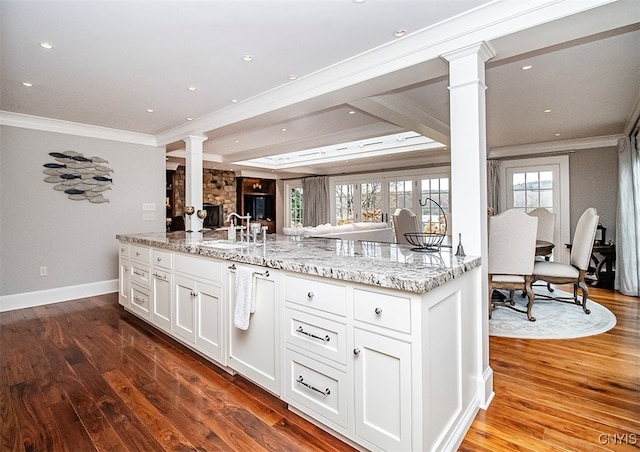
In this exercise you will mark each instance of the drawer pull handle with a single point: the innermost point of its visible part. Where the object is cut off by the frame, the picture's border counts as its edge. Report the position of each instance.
(126, 269)
(313, 388)
(139, 300)
(158, 275)
(137, 253)
(356, 351)
(310, 295)
(159, 259)
(378, 311)
(141, 274)
(194, 294)
(306, 333)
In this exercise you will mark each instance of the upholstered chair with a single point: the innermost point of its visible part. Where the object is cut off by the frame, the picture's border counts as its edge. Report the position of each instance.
(512, 249)
(546, 230)
(404, 220)
(575, 271)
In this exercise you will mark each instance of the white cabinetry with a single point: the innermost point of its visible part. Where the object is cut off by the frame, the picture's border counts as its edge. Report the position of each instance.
(140, 281)
(124, 271)
(161, 289)
(198, 310)
(255, 352)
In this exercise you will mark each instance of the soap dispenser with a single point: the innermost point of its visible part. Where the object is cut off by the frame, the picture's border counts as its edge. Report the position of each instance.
(232, 231)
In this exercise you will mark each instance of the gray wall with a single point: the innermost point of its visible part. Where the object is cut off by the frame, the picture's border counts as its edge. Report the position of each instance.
(594, 183)
(75, 240)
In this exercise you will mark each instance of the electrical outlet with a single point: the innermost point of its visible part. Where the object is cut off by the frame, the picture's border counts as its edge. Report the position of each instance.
(148, 206)
(148, 217)
(43, 271)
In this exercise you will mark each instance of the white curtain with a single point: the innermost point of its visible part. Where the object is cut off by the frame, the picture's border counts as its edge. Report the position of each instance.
(315, 193)
(627, 277)
(493, 186)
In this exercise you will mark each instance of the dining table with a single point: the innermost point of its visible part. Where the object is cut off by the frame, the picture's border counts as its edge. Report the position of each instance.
(543, 248)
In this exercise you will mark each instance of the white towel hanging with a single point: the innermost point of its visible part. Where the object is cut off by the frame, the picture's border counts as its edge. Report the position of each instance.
(245, 301)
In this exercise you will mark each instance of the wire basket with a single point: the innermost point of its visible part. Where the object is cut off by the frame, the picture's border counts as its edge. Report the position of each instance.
(424, 241)
(434, 230)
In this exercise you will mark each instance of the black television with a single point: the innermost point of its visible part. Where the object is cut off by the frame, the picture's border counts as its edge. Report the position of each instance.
(260, 207)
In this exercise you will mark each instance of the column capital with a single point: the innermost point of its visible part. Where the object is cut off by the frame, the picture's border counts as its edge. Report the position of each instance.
(483, 49)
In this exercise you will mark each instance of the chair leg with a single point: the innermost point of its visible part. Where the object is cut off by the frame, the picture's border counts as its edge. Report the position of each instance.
(531, 298)
(585, 296)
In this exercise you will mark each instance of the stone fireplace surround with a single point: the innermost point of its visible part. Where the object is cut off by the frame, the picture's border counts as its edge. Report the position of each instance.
(218, 188)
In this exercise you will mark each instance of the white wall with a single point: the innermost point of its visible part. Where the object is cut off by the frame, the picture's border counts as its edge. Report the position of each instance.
(75, 240)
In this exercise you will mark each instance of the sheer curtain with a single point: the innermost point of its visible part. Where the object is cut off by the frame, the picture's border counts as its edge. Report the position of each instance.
(493, 186)
(627, 215)
(315, 192)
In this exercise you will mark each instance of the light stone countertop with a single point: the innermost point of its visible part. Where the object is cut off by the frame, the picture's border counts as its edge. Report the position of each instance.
(373, 263)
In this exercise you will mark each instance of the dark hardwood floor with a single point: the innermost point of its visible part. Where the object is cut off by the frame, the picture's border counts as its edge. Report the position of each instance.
(86, 375)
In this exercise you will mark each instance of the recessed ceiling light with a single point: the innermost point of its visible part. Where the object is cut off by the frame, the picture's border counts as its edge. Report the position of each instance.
(283, 129)
(557, 134)
(527, 67)
(234, 101)
(247, 58)
(191, 88)
(400, 33)
(27, 84)
(293, 77)
(149, 110)
(359, 1)
(189, 119)
(46, 45)
(351, 112)
(548, 110)
(237, 141)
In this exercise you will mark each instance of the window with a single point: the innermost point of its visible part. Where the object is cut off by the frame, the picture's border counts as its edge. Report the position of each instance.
(400, 195)
(371, 202)
(296, 206)
(438, 190)
(532, 189)
(344, 200)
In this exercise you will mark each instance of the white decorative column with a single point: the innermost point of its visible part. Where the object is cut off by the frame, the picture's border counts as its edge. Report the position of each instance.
(193, 179)
(469, 178)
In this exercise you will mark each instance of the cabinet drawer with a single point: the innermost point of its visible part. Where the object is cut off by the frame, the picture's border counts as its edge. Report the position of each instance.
(162, 259)
(199, 267)
(316, 294)
(140, 274)
(140, 253)
(140, 302)
(383, 310)
(316, 387)
(124, 249)
(319, 336)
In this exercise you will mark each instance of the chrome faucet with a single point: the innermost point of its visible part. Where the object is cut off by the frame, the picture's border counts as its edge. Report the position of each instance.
(246, 234)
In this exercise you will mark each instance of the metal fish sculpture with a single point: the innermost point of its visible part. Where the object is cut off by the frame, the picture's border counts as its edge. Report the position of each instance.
(74, 191)
(80, 177)
(98, 199)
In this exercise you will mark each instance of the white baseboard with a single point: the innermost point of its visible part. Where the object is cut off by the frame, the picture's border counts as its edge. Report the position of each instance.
(49, 296)
(487, 377)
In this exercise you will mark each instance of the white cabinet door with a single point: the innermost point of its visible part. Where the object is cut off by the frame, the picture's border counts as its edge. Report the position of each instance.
(210, 330)
(124, 282)
(184, 313)
(255, 352)
(161, 299)
(382, 390)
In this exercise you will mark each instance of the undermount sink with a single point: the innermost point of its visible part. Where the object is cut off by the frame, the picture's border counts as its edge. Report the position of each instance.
(224, 245)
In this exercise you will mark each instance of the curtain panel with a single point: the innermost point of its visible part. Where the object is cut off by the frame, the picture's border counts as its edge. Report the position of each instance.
(315, 195)
(627, 277)
(493, 185)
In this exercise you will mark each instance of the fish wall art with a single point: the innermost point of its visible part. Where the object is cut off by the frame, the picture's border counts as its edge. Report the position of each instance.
(79, 177)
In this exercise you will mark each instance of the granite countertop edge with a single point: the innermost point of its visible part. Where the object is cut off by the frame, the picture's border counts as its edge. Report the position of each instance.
(409, 279)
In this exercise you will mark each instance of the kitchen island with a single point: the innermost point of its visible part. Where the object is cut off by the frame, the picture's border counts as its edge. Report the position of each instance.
(379, 344)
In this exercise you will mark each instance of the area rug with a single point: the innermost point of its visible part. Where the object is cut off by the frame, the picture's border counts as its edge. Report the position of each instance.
(554, 319)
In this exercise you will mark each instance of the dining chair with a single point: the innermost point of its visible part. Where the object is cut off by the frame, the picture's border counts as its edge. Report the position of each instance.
(575, 271)
(512, 248)
(404, 220)
(546, 231)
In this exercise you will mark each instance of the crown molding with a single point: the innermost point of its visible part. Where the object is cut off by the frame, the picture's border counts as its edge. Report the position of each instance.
(73, 128)
(555, 146)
